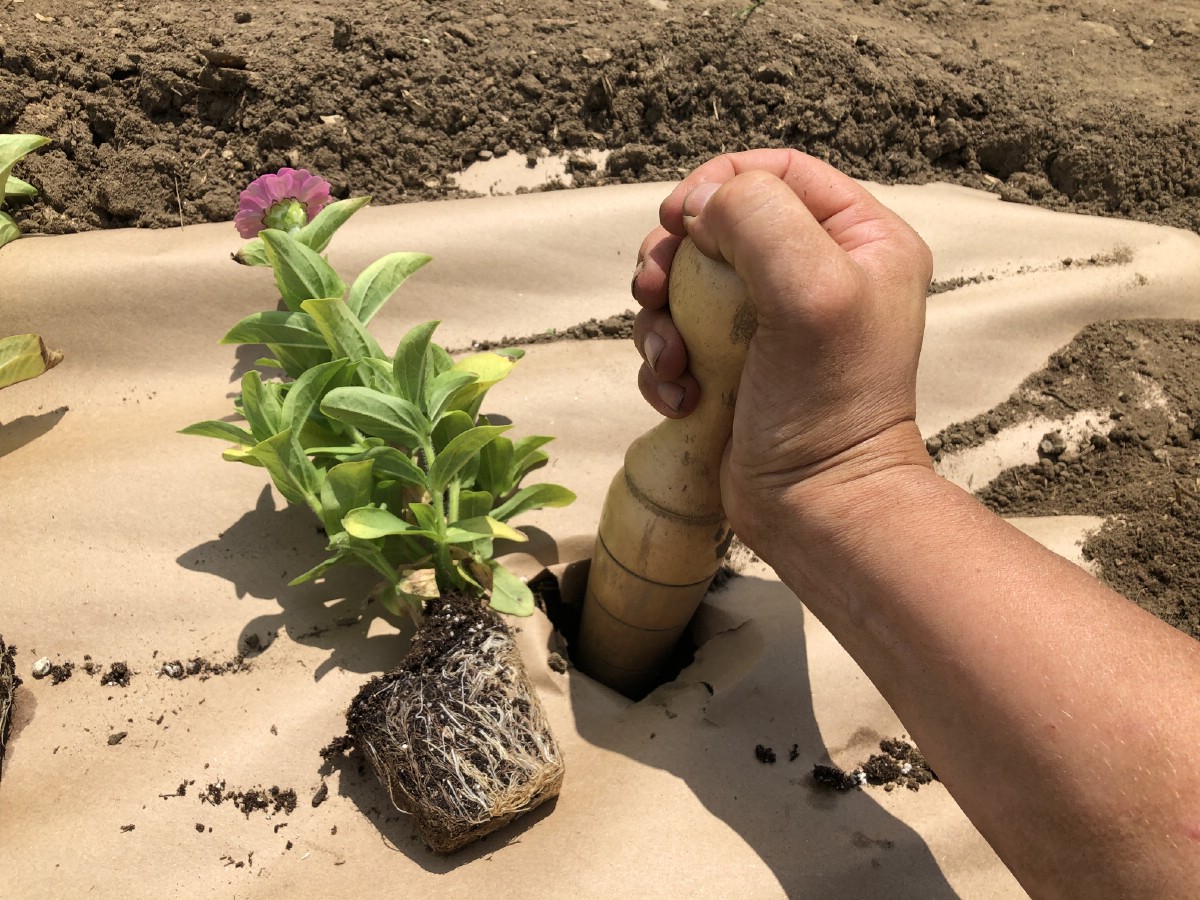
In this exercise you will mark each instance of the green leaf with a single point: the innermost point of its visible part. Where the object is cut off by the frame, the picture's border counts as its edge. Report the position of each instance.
(8, 229)
(317, 431)
(300, 273)
(370, 523)
(474, 503)
(242, 455)
(366, 552)
(391, 463)
(347, 486)
(277, 329)
(451, 426)
(24, 356)
(18, 188)
(393, 599)
(510, 595)
(480, 527)
(319, 569)
(224, 431)
(458, 453)
(252, 253)
(378, 414)
(261, 406)
(408, 365)
(464, 572)
(495, 467)
(317, 234)
(536, 496)
(427, 517)
(379, 281)
(437, 361)
(267, 362)
(343, 333)
(306, 392)
(527, 456)
(12, 148)
(298, 360)
(377, 374)
(443, 389)
(291, 470)
(489, 369)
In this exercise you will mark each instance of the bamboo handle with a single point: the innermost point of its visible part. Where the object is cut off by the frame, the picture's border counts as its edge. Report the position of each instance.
(663, 534)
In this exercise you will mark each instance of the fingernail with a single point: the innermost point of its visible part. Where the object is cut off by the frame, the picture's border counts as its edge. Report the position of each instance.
(672, 395)
(652, 348)
(694, 203)
(637, 270)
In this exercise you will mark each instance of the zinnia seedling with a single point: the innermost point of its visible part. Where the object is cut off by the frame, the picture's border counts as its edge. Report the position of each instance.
(393, 455)
(390, 451)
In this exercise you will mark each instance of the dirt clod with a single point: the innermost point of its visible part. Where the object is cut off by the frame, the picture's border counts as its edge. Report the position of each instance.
(320, 795)
(117, 675)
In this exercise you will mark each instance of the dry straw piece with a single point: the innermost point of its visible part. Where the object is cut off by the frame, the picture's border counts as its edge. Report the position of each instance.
(456, 733)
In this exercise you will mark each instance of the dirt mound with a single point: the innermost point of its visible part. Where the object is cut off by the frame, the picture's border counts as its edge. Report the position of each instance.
(160, 113)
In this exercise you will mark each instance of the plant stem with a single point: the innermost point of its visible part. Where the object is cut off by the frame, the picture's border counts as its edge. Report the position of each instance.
(443, 566)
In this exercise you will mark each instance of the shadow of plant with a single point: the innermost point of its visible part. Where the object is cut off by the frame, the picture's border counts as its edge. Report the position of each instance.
(268, 547)
(27, 429)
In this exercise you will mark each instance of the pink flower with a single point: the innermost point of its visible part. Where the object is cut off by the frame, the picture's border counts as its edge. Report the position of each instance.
(287, 200)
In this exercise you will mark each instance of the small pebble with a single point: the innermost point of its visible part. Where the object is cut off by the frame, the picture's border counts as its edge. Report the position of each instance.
(41, 668)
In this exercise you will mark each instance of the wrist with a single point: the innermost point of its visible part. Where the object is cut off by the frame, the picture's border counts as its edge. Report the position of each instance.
(826, 523)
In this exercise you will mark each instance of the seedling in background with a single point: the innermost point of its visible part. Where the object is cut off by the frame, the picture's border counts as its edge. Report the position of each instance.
(22, 356)
(12, 148)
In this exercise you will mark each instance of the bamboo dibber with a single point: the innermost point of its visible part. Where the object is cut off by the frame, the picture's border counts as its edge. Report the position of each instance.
(663, 533)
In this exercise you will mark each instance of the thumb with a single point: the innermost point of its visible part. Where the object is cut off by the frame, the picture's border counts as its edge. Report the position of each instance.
(793, 269)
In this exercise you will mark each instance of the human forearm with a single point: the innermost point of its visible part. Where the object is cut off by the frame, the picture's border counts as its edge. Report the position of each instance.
(1063, 718)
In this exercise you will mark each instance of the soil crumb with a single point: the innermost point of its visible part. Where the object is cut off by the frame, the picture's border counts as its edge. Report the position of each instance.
(272, 800)
(899, 764)
(199, 667)
(118, 675)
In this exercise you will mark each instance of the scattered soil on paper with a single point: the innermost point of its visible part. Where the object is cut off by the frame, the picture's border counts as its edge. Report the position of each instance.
(898, 764)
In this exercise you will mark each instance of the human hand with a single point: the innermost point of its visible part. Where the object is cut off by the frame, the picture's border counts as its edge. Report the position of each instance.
(828, 393)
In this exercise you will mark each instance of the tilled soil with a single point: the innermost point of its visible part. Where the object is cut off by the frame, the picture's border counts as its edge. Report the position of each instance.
(160, 112)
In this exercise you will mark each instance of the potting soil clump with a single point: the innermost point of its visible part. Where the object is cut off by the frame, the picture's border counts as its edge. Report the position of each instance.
(456, 732)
